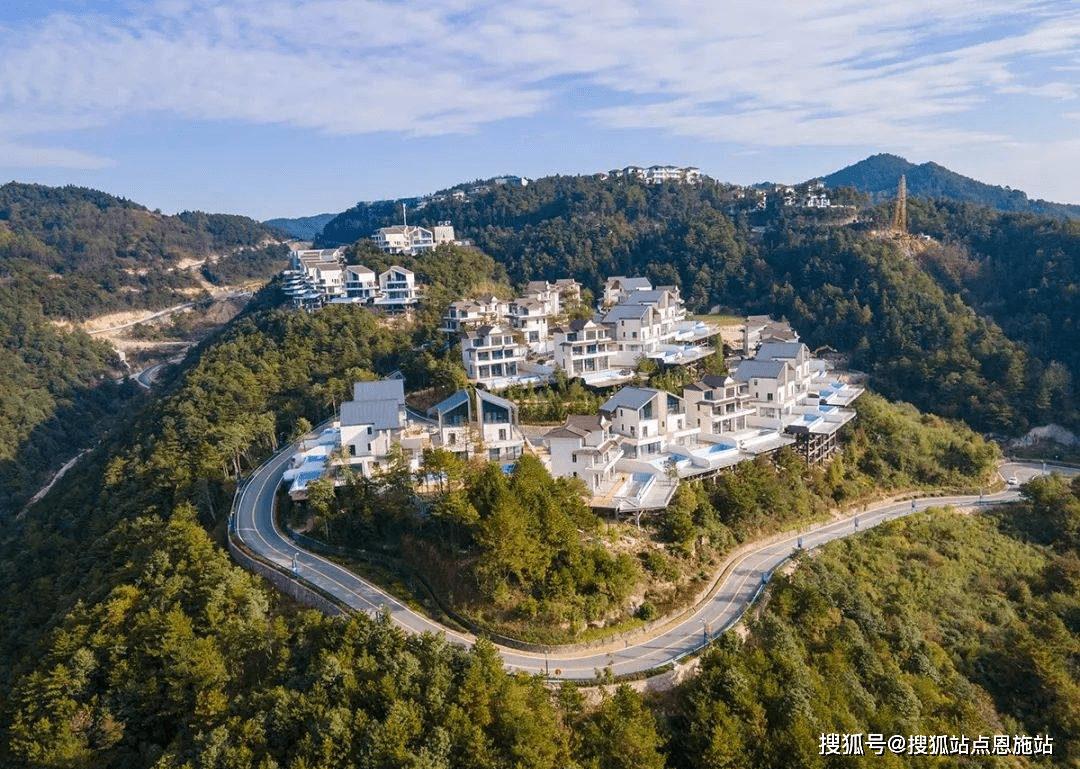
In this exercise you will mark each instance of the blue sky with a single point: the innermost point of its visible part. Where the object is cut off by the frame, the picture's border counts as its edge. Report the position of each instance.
(289, 107)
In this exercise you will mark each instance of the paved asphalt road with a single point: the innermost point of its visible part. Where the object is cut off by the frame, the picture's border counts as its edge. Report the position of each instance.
(255, 527)
(146, 377)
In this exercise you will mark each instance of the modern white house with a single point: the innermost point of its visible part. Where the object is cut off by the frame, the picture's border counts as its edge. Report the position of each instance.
(547, 295)
(635, 329)
(484, 425)
(361, 283)
(795, 353)
(500, 432)
(583, 348)
(584, 447)
(443, 232)
(793, 394)
(772, 389)
(397, 290)
(668, 305)
(762, 329)
(718, 405)
(492, 353)
(617, 288)
(529, 316)
(648, 420)
(371, 423)
(469, 313)
(404, 239)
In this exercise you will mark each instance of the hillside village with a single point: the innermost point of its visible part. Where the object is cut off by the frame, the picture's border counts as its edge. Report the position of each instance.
(630, 455)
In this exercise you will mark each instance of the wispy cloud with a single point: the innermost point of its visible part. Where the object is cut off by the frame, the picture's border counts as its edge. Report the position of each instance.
(780, 73)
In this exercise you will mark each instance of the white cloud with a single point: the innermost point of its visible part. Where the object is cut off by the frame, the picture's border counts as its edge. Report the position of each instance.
(780, 73)
(18, 155)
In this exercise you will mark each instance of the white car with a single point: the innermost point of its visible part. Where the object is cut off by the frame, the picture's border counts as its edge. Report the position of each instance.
(1014, 481)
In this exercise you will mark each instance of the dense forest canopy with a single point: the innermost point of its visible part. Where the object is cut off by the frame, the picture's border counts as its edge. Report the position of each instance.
(941, 624)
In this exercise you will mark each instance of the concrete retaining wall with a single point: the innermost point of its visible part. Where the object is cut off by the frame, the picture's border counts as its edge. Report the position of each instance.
(286, 583)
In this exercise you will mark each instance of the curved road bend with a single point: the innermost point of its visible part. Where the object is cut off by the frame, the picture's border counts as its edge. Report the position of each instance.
(256, 528)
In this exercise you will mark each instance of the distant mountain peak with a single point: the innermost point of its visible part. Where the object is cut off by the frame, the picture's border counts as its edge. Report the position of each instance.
(879, 175)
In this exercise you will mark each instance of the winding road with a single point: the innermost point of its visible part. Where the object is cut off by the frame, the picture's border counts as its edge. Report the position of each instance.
(253, 524)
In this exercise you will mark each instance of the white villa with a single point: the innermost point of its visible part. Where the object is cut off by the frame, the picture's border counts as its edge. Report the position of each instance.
(404, 239)
(314, 276)
(467, 426)
(361, 283)
(584, 348)
(373, 421)
(718, 405)
(319, 277)
(411, 239)
(584, 447)
(529, 316)
(492, 354)
(648, 420)
(618, 288)
(469, 313)
(397, 290)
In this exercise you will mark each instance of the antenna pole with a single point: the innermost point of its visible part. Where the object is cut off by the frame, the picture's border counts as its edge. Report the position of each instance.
(900, 220)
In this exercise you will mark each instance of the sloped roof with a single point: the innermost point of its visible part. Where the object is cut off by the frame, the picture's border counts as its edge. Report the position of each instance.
(451, 403)
(773, 350)
(495, 400)
(644, 296)
(482, 331)
(629, 397)
(629, 284)
(761, 369)
(627, 312)
(588, 422)
(382, 414)
(382, 389)
(709, 382)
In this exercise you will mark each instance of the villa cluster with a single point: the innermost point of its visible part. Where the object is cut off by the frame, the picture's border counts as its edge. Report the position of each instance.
(658, 174)
(319, 277)
(631, 455)
(523, 340)
(411, 239)
(376, 424)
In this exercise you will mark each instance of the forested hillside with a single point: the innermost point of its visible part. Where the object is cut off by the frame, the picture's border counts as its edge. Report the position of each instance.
(941, 624)
(1023, 272)
(70, 253)
(131, 641)
(933, 341)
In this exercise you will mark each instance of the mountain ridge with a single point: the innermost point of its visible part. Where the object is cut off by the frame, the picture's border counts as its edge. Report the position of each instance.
(879, 176)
